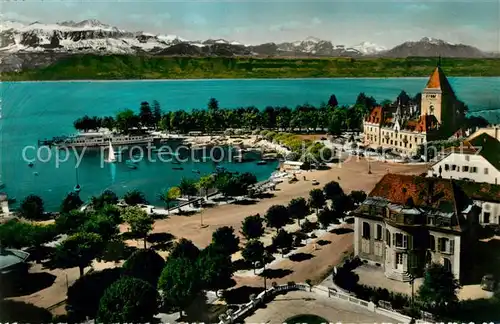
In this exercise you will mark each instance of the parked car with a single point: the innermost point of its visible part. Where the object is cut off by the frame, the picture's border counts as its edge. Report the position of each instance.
(315, 182)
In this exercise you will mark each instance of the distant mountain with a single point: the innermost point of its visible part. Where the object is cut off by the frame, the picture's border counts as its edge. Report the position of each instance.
(19, 42)
(429, 47)
(369, 48)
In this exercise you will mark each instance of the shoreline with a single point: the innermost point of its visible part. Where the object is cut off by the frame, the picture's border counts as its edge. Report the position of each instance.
(232, 79)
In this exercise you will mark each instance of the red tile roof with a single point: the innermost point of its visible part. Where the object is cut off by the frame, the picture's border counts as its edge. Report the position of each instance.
(423, 192)
(438, 81)
(376, 115)
(435, 79)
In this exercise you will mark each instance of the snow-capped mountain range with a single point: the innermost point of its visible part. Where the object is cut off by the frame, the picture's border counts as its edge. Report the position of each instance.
(93, 36)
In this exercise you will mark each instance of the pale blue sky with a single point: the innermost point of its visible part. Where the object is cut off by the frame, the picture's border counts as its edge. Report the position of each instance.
(386, 23)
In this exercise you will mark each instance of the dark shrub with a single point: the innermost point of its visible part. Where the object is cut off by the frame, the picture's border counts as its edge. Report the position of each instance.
(84, 294)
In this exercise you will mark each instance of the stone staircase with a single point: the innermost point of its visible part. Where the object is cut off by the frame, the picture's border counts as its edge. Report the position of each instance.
(399, 276)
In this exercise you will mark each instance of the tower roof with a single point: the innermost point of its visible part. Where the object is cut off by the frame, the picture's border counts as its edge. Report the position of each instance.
(438, 80)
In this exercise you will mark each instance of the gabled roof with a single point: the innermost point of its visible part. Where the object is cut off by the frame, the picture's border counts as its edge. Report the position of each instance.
(486, 146)
(480, 190)
(376, 115)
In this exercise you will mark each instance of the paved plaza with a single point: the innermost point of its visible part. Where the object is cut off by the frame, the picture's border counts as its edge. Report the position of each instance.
(299, 302)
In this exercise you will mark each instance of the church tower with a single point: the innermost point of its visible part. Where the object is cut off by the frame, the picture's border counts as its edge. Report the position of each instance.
(439, 100)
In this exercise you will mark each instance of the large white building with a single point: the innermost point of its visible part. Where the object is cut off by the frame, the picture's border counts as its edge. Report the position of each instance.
(403, 128)
(487, 197)
(478, 159)
(408, 222)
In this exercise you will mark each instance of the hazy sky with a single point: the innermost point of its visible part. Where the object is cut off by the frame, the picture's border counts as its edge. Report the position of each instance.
(386, 23)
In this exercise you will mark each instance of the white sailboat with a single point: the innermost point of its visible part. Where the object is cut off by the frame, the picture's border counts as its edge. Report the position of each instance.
(111, 154)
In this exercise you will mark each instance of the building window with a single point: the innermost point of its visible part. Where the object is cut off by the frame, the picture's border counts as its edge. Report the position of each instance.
(453, 167)
(485, 170)
(366, 230)
(446, 167)
(388, 237)
(378, 233)
(447, 264)
(467, 158)
(432, 243)
(473, 169)
(400, 240)
(445, 245)
(486, 217)
(465, 168)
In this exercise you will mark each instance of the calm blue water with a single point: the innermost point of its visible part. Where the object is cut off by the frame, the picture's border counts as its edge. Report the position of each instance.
(34, 110)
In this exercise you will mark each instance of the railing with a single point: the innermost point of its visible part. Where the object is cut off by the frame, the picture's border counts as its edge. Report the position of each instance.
(231, 317)
(252, 304)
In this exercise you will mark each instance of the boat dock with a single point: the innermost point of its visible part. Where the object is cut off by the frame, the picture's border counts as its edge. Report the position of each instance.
(54, 141)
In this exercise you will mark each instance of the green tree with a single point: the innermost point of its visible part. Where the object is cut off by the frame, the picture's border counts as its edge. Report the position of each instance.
(188, 187)
(101, 225)
(71, 201)
(253, 252)
(179, 283)
(439, 290)
(84, 294)
(32, 208)
(335, 125)
(112, 212)
(157, 114)
(283, 241)
(144, 264)
(340, 204)
(18, 234)
(213, 104)
(225, 240)
(252, 227)
(71, 222)
(78, 250)
(326, 217)
(277, 216)
(128, 300)
(215, 268)
(298, 209)
(139, 221)
(206, 183)
(357, 196)
(332, 189)
(170, 196)
(317, 199)
(126, 120)
(184, 248)
(107, 197)
(134, 197)
(333, 102)
(146, 115)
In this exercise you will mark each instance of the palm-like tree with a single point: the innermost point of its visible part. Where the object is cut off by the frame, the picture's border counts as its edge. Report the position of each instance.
(170, 196)
(188, 188)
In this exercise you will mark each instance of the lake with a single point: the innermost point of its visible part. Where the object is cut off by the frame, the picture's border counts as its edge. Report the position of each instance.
(36, 110)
